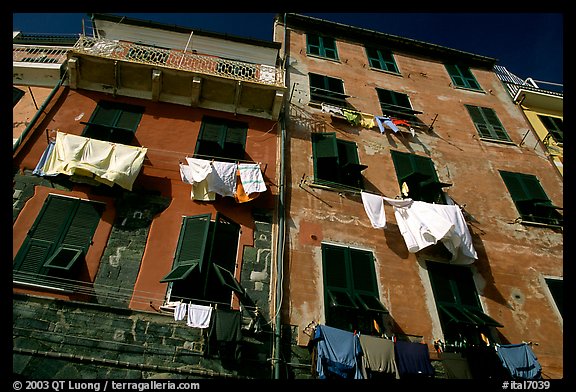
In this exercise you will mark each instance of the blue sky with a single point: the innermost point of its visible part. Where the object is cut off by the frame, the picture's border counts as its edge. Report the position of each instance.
(528, 44)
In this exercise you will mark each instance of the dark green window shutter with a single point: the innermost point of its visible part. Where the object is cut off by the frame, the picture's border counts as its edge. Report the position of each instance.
(327, 89)
(381, 59)
(113, 122)
(459, 308)
(336, 161)
(554, 126)
(420, 176)
(321, 46)
(487, 123)
(17, 94)
(63, 228)
(224, 243)
(221, 139)
(556, 287)
(462, 76)
(530, 199)
(192, 241)
(350, 288)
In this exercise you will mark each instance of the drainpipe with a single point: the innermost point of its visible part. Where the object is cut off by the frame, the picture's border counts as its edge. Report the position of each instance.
(281, 228)
(38, 113)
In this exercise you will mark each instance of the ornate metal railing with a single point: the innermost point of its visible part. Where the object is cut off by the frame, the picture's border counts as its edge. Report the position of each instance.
(181, 60)
(39, 54)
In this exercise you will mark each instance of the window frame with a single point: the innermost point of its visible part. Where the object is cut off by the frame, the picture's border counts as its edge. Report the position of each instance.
(231, 139)
(420, 171)
(336, 157)
(206, 268)
(111, 127)
(458, 304)
(384, 58)
(324, 92)
(63, 224)
(554, 129)
(355, 314)
(529, 198)
(556, 293)
(487, 124)
(462, 77)
(322, 48)
(393, 103)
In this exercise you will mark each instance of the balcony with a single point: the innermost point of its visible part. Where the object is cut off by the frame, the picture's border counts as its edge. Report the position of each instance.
(38, 65)
(175, 76)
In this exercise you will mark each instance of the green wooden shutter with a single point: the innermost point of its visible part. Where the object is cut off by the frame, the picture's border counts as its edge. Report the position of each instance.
(487, 123)
(62, 231)
(462, 76)
(329, 46)
(235, 141)
(554, 126)
(313, 44)
(191, 247)
(454, 73)
(211, 138)
(337, 278)
(113, 122)
(325, 154)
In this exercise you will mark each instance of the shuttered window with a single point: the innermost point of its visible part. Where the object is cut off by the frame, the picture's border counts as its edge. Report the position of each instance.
(327, 89)
(487, 123)
(322, 46)
(461, 315)
(381, 59)
(113, 122)
(462, 76)
(205, 260)
(556, 287)
(554, 127)
(530, 199)
(336, 161)
(58, 240)
(396, 104)
(221, 139)
(419, 175)
(350, 289)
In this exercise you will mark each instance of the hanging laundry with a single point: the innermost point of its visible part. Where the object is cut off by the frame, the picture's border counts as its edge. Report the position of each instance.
(326, 108)
(378, 355)
(382, 121)
(199, 191)
(240, 195)
(110, 163)
(339, 353)
(222, 180)
(398, 121)
(251, 177)
(424, 224)
(225, 334)
(39, 170)
(180, 311)
(199, 170)
(374, 207)
(413, 359)
(520, 361)
(367, 120)
(456, 366)
(199, 316)
(353, 117)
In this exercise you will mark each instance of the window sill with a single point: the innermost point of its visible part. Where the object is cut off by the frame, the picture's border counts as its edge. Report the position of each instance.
(385, 71)
(539, 224)
(468, 89)
(484, 139)
(323, 58)
(335, 188)
(29, 285)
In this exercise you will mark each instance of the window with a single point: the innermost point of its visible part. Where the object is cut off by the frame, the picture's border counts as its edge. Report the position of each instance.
(336, 161)
(487, 123)
(351, 290)
(205, 260)
(221, 139)
(381, 59)
(321, 46)
(395, 104)
(113, 122)
(459, 309)
(556, 287)
(58, 240)
(326, 89)
(17, 94)
(462, 76)
(554, 127)
(531, 201)
(418, 175)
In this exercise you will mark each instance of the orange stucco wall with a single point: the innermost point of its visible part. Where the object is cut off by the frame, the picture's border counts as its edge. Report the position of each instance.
(512, 258)
(169, 132)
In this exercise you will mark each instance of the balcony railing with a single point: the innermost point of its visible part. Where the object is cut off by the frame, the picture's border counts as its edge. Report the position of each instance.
(180, 60)
(39, 54)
